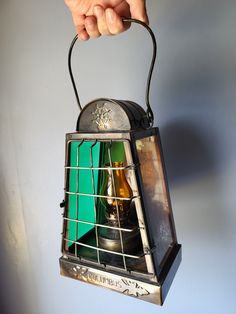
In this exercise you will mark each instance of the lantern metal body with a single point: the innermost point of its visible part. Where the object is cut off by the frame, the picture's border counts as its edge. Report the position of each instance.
(118, 227)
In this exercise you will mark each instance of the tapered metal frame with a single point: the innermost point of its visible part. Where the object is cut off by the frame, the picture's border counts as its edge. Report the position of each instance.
(151, 286)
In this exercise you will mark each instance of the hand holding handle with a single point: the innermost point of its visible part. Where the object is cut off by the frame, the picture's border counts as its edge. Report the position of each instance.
(149, 111)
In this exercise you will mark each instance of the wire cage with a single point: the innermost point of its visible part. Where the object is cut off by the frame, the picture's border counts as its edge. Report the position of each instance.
(147, 243)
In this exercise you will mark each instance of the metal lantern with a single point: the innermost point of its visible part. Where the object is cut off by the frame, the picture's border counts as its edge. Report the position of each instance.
(118, 227)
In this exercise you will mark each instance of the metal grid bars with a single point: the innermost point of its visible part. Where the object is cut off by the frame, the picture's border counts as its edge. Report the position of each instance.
(116, 203)
(83, 215)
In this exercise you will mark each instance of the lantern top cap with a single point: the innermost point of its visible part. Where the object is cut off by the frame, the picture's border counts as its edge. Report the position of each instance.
(109, 115)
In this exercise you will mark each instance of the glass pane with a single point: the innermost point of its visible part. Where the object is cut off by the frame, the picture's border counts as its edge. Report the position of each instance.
(83, 183)
(157, 206)
(101, 223)
(81, 207)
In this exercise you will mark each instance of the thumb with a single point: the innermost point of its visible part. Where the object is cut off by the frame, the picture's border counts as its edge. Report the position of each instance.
(138, 10)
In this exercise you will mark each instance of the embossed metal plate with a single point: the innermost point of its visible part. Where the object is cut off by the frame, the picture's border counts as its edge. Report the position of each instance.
(122, 284)
(128, 285)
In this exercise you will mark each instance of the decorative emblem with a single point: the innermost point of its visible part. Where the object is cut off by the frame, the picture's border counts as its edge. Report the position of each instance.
(132, 288)
(79, 272)
(102, 116)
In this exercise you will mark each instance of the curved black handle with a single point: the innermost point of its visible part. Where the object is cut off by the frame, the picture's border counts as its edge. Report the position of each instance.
(149, 111)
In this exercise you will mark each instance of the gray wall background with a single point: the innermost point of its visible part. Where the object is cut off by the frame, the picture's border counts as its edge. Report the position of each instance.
(193, 95)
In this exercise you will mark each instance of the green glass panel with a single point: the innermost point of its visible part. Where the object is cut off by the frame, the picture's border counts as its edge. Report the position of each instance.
(86, 181)
(83, 181)
(117, 152)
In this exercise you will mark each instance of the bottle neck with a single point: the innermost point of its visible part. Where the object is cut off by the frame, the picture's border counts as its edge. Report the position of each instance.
(119, 172)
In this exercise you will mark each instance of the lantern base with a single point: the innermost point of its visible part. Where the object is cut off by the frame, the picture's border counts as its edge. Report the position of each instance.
(110, 239)
(133, 284)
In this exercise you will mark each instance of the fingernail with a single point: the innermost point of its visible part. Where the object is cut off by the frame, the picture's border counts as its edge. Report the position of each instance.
(110, 15)
(83, 36)
(98, 11)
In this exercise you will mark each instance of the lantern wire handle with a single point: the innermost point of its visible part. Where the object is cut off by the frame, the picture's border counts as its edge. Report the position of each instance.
(149, 111)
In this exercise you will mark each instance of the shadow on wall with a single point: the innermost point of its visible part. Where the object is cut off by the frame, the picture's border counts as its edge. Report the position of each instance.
(188, 153)
(13, 253)
(12, 292)
(193, 169)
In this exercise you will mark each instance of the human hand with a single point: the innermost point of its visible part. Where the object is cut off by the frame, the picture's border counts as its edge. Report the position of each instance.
(93, 18)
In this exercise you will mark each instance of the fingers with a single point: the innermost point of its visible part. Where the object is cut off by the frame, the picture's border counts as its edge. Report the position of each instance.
(79, 21)
(104, 22)
(114, 22)
(138, 10)
(91, 22)
(108, 21)
(99, 12)
(92, 27)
